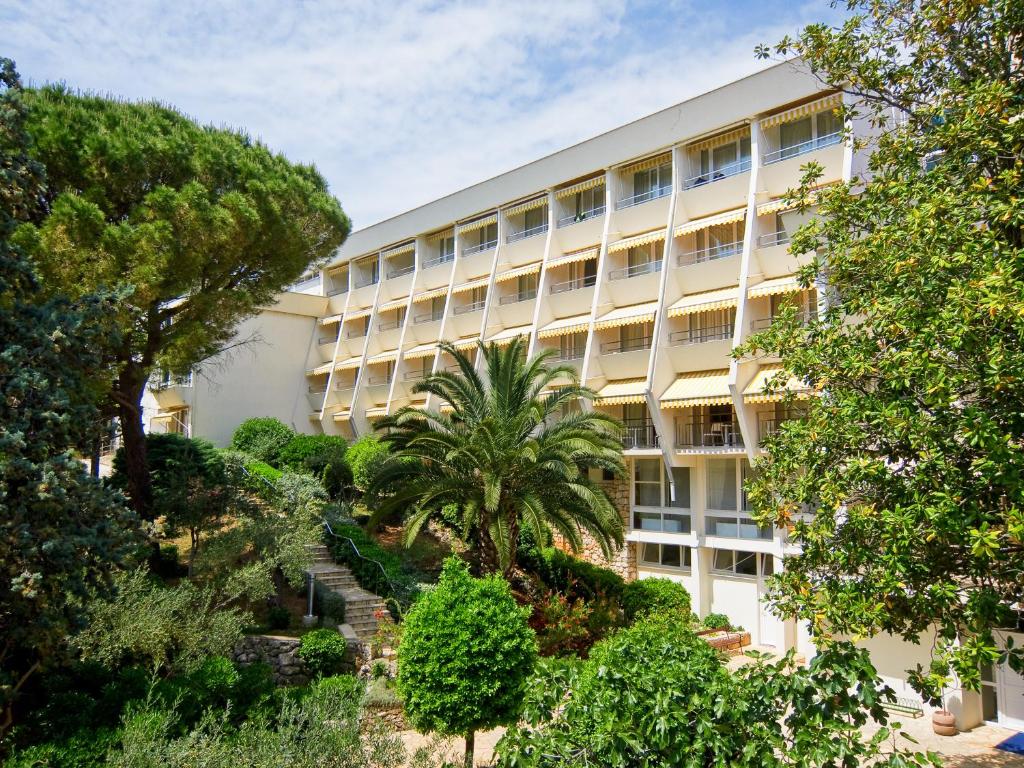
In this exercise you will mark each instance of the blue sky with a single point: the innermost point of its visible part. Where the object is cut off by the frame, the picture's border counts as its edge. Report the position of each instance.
(400, 102)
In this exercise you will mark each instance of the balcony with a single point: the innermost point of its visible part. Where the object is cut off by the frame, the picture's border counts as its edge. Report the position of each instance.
(365, 282)
(329, 339)
(643, 197)
(378, 381)
(428, 317)
(635, 270)
(515, 298)
(701, 255)
(415, 375)
(732, 169)
(390, 325)
(698, 433)
(401, 271)
(803, 148)
(640, 436)
(576, 218)
(626, 345)
(358, 333)
(700, 335)
(465, 309)
(765, 323)
(523, 234)
(479, 248)
(661, 520)
(338, 291)
(771, 239)
(438, 260)
(567, 355)
(587, 281)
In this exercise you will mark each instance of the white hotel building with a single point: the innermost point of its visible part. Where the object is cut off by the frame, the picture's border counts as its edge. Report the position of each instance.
(641, 257)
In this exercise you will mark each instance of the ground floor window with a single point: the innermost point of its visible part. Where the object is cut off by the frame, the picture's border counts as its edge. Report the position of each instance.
(742, 563)
(989, 697)
(736, 527)
(665, 555)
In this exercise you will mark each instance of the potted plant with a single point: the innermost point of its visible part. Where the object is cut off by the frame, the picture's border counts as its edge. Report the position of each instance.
(943, 722)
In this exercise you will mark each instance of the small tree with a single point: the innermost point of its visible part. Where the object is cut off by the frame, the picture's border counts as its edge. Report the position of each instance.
(465, 656)
(365, 457)
(262, 438)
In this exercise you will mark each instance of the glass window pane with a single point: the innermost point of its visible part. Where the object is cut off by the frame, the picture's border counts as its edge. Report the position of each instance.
(647, 470)
(722, 526)
(792, 134)
(647, 521)
(745, 148)
(649, 553)
(723, 559)
(670, 555)
(647, 494)
(989, 705)
(676, 523)
(746, 563)
(681, 476)
(749, 530)
(828, 123)
(724, 156)
(767, 565)
(721, 484)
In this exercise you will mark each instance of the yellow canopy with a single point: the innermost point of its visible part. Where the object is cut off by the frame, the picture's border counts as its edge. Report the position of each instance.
(571, 257)
(780, 204)
(707, 301)
(728, 217)
(622, 392)
(819, 105)
(320, 370)
(330, 320)
(393, 304)
(696, 389)
(383, 357)
(471, 285)
(350, 363)
(650, 162)
(597, 181)
(774, 286)
(564, 326)
(358, 314)
(723, 138)
(636, 240)
(435, 236)
(503, 337)
(529, 205)
(512, 274)
(420, 351)
(632, 315)
(755, 390)
(432, 294)
(480, 223)
(398, 250)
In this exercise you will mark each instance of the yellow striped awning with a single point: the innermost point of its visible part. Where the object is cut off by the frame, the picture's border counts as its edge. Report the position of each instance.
(697, 389)
(563, 326)
(649, 162)
(333, 319)
(345, 415)
(480, 282)
(420, 351)
(723, 138)
(632, 242)
(383, 357)
(436, 293)
(320, 370)
(781, 204)
(466, 342)
(387, 307)
(512, 274)
(435, 236)
(398, 250)
(755, 390)
(350, 363)
(475, 224)
(503, 337)
(446, 408)
(632, 315)
(583, 186)
(810, 108)
(728, 217)
(774, 286)
(622, 392)
(706, 301)
(358, 314)
(571, 257)
(529, 205)
(376, 412)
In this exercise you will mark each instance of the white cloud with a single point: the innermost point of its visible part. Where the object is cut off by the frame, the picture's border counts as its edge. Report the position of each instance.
(397, 103)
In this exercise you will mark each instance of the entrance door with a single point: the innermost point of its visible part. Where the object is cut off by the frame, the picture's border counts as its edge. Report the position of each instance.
(1002, 696)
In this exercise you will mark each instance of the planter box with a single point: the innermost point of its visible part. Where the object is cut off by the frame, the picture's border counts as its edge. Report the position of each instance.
(728, 642)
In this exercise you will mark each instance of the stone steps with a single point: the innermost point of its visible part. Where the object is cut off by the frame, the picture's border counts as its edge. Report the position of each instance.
(361, 606)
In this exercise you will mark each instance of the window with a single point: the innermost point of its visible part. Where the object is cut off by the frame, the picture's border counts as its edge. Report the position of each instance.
(588, 202)
(437, 308)
(722, 481)
(665, 555)
(647, 482)
(635, 337)
(807, 134)
(446, 248)
(718, 241)
(572, 346)
(535, 218)
(526, 286)
(722, 161)
(736, 527)
(711, 326)
(681, 476)
(742, 563)
(652, 180)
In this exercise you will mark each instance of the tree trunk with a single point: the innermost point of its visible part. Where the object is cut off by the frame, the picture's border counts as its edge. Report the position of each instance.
(94, 463)
(129, 403)
(488, 554)
(470, 743)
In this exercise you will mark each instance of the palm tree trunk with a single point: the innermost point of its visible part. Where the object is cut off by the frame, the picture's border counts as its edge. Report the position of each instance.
(487, 554)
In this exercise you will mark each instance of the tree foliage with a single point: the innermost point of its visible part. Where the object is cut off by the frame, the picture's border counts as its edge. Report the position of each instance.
(508, 456)
(365, 457)
(912, 461)
(263, 438)
(205, 225)
(61, 532)
(465, 655)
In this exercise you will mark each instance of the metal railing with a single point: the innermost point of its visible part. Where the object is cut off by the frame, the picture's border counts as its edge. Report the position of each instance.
(377, 381)
(444, 258)
(640, 436)
(378, 584)
(344, 386)
(166, 382)
(646, 268)
(358, 333)
(626, 345)
(717, 251)
(700, 335)
(328, 339)
(773, 238)
(515, 298)
(428, 317)
(523, 234)
(568, 355)
(795, 150)
(732, 169)
(368, 281)
(587, 281)
(643, 197)
(576, 218)
(469, 251)
(390, 325)
(766, 427)
(337, 291)
(700, 433)
(735, 527)
(766, 322)
(400, 271)
(465, 309)
(415, 375)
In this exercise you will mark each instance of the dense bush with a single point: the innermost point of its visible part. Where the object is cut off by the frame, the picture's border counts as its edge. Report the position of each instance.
(323, 650)
(262, 438)
(84, 749)
(365, 457)
(571, 626)
(389, 580)
(324, 457)
(716, 621)
(567, 574)
(646, 596)
(278, 617)
(330, 605)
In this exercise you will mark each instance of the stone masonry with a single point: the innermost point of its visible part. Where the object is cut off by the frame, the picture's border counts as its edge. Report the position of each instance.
(623, 561)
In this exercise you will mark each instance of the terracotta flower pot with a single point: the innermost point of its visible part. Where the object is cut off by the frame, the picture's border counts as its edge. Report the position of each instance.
(943, 723)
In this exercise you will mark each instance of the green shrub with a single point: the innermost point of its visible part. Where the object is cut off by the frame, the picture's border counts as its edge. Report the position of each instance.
(365, 456)
(262, 438)
(646, 596)
(394, 581)
(323, 650)
(716, 621)
(569, 575)
(347, 687)
(278, 617)
(330, 605)
(85, 749)
(166, 563)
(214, 679)
(324, 457)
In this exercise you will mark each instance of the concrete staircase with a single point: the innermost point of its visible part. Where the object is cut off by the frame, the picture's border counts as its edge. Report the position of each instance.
(360, 605)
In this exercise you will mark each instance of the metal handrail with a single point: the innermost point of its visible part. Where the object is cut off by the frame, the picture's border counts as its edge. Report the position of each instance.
(700, 335)
(587, 281)
(343, 386)
(640, 436)
(576, 218)
(400, 271)
(773, 238)
(356, 334)
(415, 375)
(732, 169)
(628, 345)
(646, 268)
(701, 433)
(568, 356)
(523, 234)
(469, 251)
(795, 150)
(361, 556)
(643, 197)
(428, 317)
(465, 309)
(376, 381)
(444, 258)
(390, 325)
(372, 280)
(338, 291)
(515, 298)
(717, 251)
(328, 339)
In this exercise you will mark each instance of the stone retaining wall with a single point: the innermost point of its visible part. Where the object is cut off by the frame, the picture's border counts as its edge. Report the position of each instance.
(281, 654)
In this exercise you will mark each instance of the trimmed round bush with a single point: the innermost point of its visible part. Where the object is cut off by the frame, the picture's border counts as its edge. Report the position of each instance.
(323, 650)
(323, 456)
(365, 457)
(645, 597)
(262, 438)
(716, 621)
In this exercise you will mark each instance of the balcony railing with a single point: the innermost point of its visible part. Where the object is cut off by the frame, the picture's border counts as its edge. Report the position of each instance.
(698, 433)
(795, 150)
(640, 436)
(635, 270)
(717, 251)
(415, 375)
(515, 298)
(465, 309)
(700, 335)
(444, 258)
(469, 251)
(665, 521)
(400, 271)
(523, 234)
(367, 281)
(735, 527)
(317, 390)
(626, 345)
(765, 323)
(428, 317)
(328, 339)
(390, 325)
(377, 381)
(358, 333)
(344, 386)
(568, 355)
(576, 218)
(773, 238)
(587, 281)
(338, 291)
(766, 427)
(732, 169)
(643, 197)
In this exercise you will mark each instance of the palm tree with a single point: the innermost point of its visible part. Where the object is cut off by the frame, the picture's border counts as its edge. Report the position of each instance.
(509, 453)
